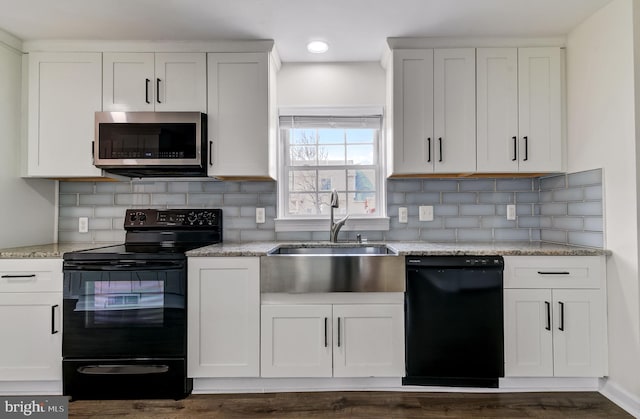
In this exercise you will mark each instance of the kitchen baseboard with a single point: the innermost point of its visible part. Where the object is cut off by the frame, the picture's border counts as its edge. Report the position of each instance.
(621, 397)
(30, 388)
(276, 385)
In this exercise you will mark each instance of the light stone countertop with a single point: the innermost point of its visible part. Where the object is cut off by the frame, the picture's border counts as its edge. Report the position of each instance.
(411, 248)
(262, 248)
(47, 251)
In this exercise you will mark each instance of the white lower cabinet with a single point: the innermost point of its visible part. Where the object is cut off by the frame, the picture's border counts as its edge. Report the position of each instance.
(223, 317)
(555, 331)
(31, 320)
(332, 340)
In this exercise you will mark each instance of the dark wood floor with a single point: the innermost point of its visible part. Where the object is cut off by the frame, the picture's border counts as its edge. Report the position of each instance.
(358, 405)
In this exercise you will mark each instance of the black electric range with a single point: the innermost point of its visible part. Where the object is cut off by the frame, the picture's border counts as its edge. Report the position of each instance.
(124, 307)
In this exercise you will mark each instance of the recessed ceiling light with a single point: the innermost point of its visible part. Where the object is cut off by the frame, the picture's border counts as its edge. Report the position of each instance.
(317, 47)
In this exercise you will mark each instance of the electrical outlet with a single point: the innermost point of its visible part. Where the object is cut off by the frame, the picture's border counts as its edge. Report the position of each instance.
(83, 224)
(426, 213)
(511, 212)
(403, 215)
(260, 217)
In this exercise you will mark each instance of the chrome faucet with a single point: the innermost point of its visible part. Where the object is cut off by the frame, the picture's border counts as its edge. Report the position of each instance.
(335, 225)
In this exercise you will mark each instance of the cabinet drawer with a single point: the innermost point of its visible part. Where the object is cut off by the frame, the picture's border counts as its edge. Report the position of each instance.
(30, 275)
(554, 271)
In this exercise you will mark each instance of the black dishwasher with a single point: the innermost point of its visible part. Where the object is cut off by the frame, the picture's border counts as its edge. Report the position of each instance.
(454, 321)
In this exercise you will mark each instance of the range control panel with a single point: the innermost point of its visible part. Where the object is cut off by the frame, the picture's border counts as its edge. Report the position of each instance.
(174, 218)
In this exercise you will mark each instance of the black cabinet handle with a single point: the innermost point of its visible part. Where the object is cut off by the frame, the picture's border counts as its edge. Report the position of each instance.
(561, 327)
(515, 148)
(554, 273)
(526, 149)
(158, 90)
(146, 90)
(338, 332)
(548, 308)
(429, 150)
(440, 142)
(210, 153)
(19, 276)
(53, 319)
(326, 340)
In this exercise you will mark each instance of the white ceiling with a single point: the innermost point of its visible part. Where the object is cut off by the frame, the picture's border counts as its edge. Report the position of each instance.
(355, 29)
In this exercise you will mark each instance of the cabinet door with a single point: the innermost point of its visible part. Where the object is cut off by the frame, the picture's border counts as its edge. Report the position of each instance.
(180, 82)
(528, 333)
(238, 112)
(65, 91)
(413, 140)
(539, 109)
(497, 109)
(128, 81)
(296, 341)
(30, 324)
(579, 336)
(454, 110)
(224, 317)
(368, 340)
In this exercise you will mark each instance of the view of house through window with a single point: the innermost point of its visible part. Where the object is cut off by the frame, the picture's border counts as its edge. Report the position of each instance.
(324, 153)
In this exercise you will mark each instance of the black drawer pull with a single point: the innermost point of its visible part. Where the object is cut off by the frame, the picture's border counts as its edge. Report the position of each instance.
(19, 276)
(554, 273)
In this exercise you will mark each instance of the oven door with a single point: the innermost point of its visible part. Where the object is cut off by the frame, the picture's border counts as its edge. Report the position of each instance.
(133, 309)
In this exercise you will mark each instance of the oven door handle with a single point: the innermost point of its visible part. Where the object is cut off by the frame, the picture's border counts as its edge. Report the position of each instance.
(122, 265)
(123, 369)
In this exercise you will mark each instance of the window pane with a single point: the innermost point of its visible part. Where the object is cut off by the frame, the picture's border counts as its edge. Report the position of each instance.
(361, 135)
(362, 203)
(303, 136)
(331, 136)
(302, 181)
(303, 156)
(360, 154)
(332, 179)
(362, 180)
(308, 204)
(331, 155)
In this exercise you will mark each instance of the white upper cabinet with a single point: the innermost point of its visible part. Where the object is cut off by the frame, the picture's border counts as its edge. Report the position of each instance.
(519, 110)
(65, 90)
(241, 115)
(173, 81)
(433, 111)
(454, 107)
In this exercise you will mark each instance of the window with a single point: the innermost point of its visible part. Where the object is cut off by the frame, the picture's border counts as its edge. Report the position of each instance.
(321, 153)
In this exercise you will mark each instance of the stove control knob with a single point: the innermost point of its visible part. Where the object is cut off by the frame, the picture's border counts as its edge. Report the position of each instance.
(191, 218)
(133, 217)
(142, 216)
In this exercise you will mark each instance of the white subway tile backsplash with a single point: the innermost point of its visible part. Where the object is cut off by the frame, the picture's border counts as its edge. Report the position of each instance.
(468, 185)
(459, 198)
(515, 185)
(464, 209)
(462, 222)
(478, 209)
(589, 177)
(475, 235)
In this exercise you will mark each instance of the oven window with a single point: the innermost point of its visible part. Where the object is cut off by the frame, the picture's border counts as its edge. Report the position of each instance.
(125, 299)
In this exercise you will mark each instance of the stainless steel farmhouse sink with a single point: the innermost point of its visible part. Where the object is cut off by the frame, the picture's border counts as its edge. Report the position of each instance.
(335, 268)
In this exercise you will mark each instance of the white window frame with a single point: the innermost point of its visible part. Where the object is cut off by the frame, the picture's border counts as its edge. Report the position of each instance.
(379, 221)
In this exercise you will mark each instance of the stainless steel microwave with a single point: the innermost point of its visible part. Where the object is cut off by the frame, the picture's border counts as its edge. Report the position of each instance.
(151, 144)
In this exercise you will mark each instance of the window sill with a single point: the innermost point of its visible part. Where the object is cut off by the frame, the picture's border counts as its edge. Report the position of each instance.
(322, 224)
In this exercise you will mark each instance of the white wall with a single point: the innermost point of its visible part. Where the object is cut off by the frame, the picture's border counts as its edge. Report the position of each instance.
(601, 125)
(26, 206)
(331, 84)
